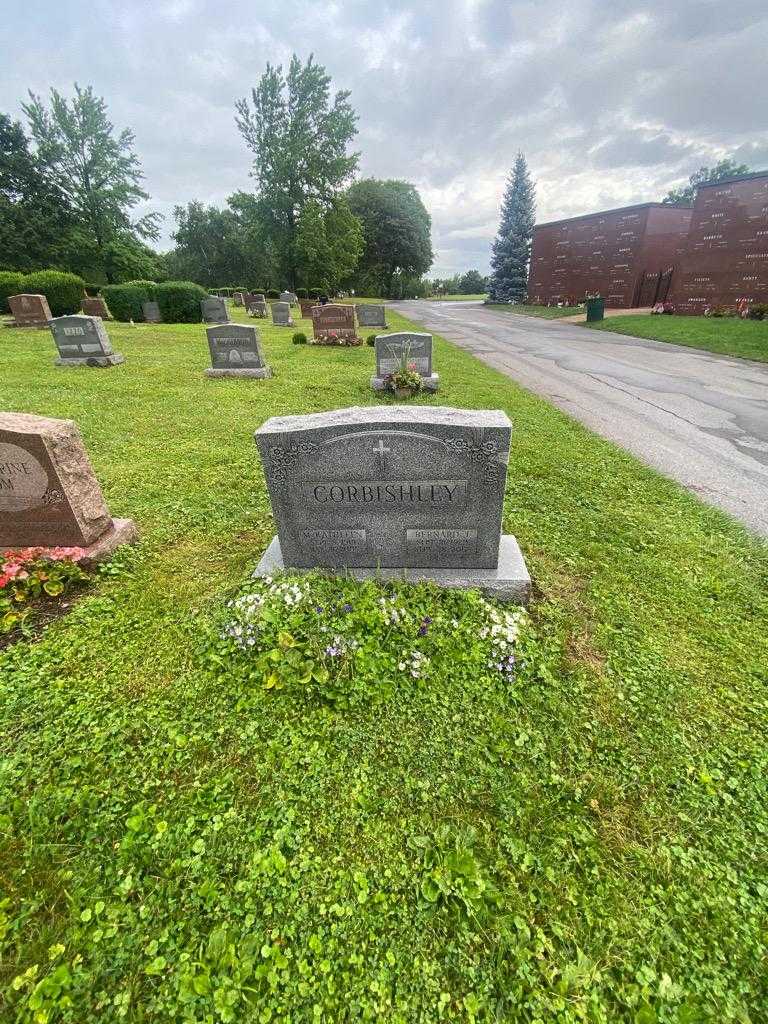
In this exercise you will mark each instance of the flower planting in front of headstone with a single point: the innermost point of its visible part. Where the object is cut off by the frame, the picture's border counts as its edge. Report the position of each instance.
(336, 338)
(346, 642)
(32, 579)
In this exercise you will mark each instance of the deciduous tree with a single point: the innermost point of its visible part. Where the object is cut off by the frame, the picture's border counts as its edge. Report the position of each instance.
(724, 169)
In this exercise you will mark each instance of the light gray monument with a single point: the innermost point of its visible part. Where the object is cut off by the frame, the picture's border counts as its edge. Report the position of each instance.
(236, 352)
(83, 341)
(371, 314)
(281, 314)
(151, 313)
(214, 310)
(286, 297)
(390, 350)
(258, 307)
(409, 492)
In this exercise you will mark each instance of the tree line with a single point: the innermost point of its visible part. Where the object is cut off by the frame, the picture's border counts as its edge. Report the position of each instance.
(70, 183)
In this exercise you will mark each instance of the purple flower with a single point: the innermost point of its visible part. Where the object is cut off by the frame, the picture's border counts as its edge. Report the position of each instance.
(347, 607)
(422, 630)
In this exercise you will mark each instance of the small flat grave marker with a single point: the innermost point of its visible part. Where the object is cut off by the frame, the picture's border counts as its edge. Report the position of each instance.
(236, 352)
(30, 310)
(392, 348)
(396, 491)
(49, 495)
(83, 341)
(214, 310)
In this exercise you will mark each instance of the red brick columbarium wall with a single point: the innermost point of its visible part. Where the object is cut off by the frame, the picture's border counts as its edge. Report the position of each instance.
(725, 258)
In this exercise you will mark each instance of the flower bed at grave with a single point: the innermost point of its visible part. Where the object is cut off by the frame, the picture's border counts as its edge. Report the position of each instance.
(29, 577)
(343, 642)
(336, 338)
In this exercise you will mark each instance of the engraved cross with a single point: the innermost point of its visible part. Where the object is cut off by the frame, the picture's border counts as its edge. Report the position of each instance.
(382, 453)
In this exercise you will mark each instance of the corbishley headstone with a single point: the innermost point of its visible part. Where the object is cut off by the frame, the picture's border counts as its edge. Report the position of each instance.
(83, 341)
(281, 314)
(236, 352)
(371, 315)
(151, 312)
(415, 348)
(412, 492)
(214, 310)
(333, 318)
(30, 310)
(94, 305)
(49, 496)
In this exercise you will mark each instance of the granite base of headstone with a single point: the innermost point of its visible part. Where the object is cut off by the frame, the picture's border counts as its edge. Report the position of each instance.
(49, 495)
(29, 310)
(236, 352)
(394, 492)
(414, 348)
(83, 341)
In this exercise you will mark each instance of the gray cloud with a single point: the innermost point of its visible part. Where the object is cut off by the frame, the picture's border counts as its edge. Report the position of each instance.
(612, 103)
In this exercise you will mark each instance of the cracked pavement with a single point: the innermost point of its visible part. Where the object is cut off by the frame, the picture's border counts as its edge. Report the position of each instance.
(697, 417)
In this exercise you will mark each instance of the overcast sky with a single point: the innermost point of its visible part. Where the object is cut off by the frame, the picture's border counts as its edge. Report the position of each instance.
(612, 102)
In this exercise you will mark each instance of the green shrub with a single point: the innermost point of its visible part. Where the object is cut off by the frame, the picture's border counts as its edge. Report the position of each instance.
(371, 340)
(273, 293)
(302, 293)
(62, 290)
(315, 293)
(11, 283)
(179, 301)
(92, 289)
(758, 311)
(124, 300)
(299, 338)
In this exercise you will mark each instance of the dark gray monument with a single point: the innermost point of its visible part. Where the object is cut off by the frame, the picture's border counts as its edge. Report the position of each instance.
(214, 310)
(371, 314)
(410, 492)
(391, 349)
(151, 313)
(236, 352)
(83, 341)
(281, 314)
(257, 307)
(49, 495)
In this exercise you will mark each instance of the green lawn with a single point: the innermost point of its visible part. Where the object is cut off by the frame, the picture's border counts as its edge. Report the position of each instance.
(545, 312)
(457, 298)
(180, 843)
(724, 335)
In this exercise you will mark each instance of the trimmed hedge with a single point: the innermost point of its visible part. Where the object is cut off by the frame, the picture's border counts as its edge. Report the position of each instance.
(11, 283)
(179, 301)
(301, 293)
(273, 293)
(124, 300)
(63, 291)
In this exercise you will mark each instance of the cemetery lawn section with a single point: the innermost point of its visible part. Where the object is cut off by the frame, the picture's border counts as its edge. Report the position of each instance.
(457, 298)
(544, 312)
(727, 336)
(189, 832)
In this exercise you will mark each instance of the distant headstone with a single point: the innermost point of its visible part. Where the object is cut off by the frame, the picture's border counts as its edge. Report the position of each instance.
(49, 496)
(394, 491)
(391, 349)
(83, 341)
(257, 308)
(30, 310)
(281, 314)
(94, 305)
(151, 312)
(371, 315)
(306, 306)
(214, 310)
(333, 318)
(286, 297)
(236, 352)
(238, 298)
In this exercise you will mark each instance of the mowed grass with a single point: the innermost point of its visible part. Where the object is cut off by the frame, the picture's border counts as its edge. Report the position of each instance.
(457, 298)
(180, 844)
(729, 336)
(544, 312)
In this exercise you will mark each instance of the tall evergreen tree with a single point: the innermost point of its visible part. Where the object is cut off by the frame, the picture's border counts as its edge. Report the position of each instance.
(512, 249)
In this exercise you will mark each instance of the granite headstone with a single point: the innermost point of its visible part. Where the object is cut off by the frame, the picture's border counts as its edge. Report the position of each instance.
(281, 314)
(83, 341)
(95, 305)
(49, 495)
(371, 314)
(236, 352)
(393, 491)
(333, 318)
(30, 310)
(416, 348)
(306, 306)
(214, 310)
(238, 298)
(151, 313)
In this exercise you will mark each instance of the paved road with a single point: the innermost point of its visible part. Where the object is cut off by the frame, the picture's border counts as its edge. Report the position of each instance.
(700, 418)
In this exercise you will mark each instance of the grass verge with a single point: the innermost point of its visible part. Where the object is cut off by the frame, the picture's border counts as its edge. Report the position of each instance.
(543, 312)
(181, 841)
(728, 336)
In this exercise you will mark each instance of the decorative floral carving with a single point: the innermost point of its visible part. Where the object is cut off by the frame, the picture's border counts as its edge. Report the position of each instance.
(53, 497)
(281, 459)
(484, 453)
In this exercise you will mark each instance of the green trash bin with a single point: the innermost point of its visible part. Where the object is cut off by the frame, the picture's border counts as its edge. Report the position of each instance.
(595, 309)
